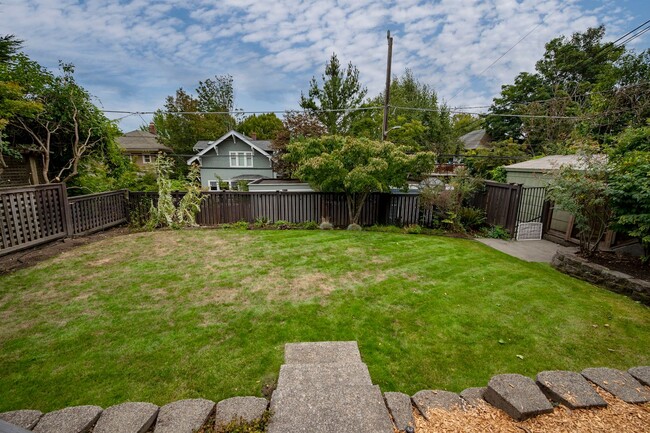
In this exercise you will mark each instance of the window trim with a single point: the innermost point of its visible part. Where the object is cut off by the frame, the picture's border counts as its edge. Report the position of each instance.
(147, 159)
(213, 184)
(236, 154)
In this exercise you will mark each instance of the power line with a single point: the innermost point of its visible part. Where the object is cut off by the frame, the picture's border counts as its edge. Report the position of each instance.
(231, 112)
(502, 55)
(488, 114)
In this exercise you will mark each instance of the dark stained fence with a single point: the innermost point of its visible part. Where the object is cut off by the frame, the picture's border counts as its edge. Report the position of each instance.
(32, 215)
(94, 212)
(501, 204)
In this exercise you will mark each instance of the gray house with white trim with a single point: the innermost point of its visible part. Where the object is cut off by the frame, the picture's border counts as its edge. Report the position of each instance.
(233, 158)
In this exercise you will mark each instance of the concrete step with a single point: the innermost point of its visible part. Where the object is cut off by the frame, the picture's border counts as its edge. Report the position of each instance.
(329, 375)
(323, 352)
(337, 409)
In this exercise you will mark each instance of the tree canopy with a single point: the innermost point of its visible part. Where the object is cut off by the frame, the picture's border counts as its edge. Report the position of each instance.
(51, 115)
(427, 127)
(581, 85)
(355, 166)
(340, 91)
(179, 124)
(264, 126)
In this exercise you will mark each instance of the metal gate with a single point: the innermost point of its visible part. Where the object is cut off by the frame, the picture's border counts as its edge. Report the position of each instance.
(531, 210)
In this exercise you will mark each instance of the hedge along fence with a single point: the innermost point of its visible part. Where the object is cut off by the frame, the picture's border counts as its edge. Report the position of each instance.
(34, 215)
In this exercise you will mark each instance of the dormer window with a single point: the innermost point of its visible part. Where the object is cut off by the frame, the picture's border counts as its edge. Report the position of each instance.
(241, 159)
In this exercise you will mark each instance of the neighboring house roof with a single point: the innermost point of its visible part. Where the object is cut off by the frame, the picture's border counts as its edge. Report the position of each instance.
(262, 146)
(475, 140)
(141, 141)
(552, 162)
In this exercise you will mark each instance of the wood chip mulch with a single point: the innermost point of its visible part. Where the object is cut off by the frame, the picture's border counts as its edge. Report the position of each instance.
(617, 417)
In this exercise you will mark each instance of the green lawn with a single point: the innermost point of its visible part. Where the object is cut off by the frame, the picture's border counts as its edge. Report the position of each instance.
(169, 315)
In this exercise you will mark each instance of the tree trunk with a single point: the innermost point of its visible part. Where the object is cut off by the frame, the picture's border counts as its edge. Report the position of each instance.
(355, 205)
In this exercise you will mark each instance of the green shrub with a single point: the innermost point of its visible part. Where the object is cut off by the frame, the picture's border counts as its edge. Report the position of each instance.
(413, 229)
(283, 225)
(496, 232)
(471, 218)
(354, 227)
(261, 223)
(307, 225)
(239, 225)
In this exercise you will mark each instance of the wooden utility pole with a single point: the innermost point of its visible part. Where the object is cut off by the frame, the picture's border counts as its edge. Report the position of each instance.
(384, 130)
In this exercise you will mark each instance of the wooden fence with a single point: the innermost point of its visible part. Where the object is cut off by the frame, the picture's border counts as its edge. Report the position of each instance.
(94, 212)
(33, 215)
(501, 204)
(220, 207)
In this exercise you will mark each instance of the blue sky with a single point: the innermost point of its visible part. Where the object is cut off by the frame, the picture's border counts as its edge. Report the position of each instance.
(131, 54)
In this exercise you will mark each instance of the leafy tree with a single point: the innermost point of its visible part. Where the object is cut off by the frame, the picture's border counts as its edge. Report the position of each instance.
(340, 91)
(463, 123)
(9, 47)
(484, 162)
(179, 125)
(629, 184)
(13, 101)
(513, 100)
(355, 166)
(577, 76)
(265, 126)
(296, 125)
(584, 193)
(67, 128)
(429, 127)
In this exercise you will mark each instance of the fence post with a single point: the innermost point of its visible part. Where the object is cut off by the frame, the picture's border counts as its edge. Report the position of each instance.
(66, 210)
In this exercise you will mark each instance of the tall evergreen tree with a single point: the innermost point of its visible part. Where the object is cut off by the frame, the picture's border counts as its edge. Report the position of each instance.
(340, 91)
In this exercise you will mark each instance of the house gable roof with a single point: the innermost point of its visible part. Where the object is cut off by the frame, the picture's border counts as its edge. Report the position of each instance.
(475, 139)
(141, 141)
(262, 146)
(552, 162)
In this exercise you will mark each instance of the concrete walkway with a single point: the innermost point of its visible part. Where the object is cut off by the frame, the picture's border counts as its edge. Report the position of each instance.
(530, 251)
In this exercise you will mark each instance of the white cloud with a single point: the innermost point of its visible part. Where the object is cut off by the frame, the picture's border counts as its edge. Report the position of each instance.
(131, 54)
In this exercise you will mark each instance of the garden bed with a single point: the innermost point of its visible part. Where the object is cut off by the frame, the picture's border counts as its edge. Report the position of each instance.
(624, 263)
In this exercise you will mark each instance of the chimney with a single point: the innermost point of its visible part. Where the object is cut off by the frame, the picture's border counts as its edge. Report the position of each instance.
(254, 135)
(152, 128)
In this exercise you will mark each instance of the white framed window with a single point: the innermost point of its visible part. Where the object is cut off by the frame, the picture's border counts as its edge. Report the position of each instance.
(147, 159)
(213, 185)
(241, 159)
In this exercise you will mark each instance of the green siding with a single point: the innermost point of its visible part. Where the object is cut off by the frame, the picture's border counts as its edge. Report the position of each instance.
(526, 178)
(217, 166)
